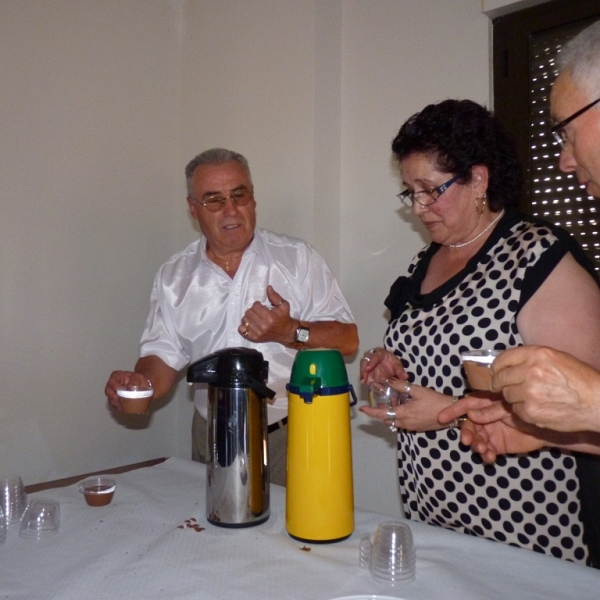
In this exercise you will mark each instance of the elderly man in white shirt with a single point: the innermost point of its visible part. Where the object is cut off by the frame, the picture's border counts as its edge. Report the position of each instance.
(237, 286)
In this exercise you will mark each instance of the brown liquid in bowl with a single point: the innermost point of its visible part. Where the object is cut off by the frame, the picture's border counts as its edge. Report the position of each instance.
(135, 406)
(94, 497)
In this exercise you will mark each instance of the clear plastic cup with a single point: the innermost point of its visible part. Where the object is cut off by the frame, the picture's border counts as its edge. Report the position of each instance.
(135, 399)
(40, 519)
(13, 498)
(391, 556)
(383, 395)
(2, 527)
(477, 365)
(98, 491)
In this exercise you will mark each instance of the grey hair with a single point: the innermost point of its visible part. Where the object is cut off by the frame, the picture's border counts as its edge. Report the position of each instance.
(581, 57)
(214, 156)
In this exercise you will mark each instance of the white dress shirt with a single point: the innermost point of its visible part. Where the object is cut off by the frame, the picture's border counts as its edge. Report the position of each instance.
(196, 308)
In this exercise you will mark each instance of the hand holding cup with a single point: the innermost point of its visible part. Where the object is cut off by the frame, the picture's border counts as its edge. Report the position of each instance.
(383, 395)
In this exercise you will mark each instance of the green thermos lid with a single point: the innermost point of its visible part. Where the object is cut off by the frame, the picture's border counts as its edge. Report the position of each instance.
(320, 372)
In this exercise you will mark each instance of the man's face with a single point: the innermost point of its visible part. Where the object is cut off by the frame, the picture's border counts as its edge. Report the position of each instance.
(231, 229)
(582, 152)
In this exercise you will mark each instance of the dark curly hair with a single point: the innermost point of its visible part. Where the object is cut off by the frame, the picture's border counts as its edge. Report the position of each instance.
(459, 134)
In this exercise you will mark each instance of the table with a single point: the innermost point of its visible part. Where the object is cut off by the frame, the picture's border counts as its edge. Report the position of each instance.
(137, 548)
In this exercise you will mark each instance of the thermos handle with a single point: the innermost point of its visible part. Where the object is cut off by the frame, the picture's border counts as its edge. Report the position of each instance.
(353, 393)
(259, 387)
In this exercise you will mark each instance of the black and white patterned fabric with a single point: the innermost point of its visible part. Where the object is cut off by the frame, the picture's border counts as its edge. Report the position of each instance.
(530, 500)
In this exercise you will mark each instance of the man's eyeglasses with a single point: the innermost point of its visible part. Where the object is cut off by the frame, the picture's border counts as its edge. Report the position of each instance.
(217, 203)
(425, 197)
(558, 131)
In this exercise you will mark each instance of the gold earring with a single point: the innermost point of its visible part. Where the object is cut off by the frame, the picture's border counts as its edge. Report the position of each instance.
(483, 198)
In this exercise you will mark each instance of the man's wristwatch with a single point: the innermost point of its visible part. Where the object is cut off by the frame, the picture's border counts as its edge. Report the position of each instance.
(302, 335)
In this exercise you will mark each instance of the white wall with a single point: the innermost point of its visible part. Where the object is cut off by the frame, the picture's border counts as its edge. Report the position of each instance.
(88, 204)
(104, 101)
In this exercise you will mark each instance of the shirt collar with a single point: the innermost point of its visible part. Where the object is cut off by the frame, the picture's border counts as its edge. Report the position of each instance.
(256, 246)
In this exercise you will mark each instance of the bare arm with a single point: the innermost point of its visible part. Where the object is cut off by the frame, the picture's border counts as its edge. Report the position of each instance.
(549, 388)
(331, 334)
(564, 313)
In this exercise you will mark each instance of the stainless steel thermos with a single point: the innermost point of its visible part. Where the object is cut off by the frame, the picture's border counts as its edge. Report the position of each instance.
(237, 491)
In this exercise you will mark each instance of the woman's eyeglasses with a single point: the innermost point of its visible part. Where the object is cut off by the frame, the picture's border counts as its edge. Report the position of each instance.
(425, 197)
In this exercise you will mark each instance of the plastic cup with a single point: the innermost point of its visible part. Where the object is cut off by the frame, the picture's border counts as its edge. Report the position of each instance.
(135, 399)
(392, 557)
(364, 551)
(382, 394)
(40, 519)
(2, 527)
(13, 499)
(477, 365)
(98, 491)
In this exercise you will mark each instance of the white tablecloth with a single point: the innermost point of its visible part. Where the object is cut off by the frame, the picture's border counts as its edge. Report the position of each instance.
(134, 548)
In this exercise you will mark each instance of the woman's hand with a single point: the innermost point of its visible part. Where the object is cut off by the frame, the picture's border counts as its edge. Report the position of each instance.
(418, 414)
(378, 365)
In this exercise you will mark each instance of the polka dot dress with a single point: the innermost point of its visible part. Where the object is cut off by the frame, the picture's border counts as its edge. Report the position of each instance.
(530, 500)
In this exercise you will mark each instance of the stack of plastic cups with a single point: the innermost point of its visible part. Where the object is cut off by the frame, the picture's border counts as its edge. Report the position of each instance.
(13, 499)
(391, 557)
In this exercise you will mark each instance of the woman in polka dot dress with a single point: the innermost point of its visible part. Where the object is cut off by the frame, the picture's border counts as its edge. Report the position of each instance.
(490, 278)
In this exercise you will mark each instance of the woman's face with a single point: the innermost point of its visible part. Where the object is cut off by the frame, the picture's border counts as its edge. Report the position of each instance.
(453, 216)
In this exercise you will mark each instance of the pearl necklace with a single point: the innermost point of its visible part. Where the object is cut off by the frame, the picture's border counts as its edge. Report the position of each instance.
(455, 246)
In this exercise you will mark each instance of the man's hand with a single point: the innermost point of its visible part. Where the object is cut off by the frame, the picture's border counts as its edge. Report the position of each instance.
(549, 388)
(120, 379)
(272, 323)
(147, 369)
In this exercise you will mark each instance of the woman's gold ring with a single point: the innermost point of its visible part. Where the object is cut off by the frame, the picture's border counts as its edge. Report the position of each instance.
(245, 334)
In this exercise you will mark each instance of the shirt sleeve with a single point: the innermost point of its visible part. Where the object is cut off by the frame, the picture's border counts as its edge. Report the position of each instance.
(554, 252)
(322, 298)
(159, 337)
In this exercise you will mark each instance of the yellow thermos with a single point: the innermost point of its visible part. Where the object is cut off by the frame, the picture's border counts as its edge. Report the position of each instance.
(319, 488)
